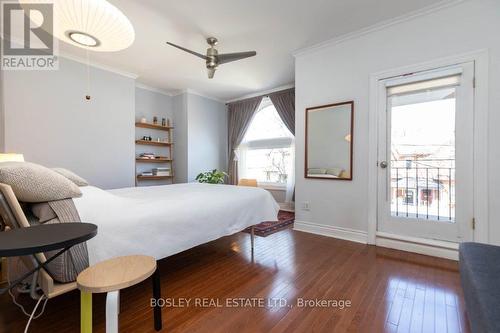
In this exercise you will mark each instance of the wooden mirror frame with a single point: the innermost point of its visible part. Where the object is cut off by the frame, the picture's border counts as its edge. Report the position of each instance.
(351, 146)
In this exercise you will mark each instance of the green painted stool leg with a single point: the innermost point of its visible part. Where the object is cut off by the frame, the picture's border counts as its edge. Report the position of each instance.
(85, 312)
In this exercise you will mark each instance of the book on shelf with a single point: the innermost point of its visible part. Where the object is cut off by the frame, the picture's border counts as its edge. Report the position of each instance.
(161, 172)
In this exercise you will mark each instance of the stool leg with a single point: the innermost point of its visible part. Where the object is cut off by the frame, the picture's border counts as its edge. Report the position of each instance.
(112, 299)
(157, 296)
(85, 312)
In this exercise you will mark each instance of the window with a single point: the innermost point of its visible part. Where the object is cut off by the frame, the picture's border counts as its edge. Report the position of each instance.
(266, 153)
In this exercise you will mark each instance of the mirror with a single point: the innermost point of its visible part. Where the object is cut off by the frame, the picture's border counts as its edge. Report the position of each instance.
(329, 141)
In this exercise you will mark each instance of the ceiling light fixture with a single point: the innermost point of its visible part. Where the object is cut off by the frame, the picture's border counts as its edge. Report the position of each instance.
(83, 39)
(95, 24)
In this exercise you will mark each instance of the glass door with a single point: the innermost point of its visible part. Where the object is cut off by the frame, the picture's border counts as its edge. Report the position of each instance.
(426, 154)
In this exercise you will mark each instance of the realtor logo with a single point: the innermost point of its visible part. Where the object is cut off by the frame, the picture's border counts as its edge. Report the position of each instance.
(28, 41)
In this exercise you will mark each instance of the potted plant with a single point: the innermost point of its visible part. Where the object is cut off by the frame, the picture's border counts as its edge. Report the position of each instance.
(212, 177)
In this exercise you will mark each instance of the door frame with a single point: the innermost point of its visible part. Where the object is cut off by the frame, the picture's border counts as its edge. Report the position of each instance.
(480, 172)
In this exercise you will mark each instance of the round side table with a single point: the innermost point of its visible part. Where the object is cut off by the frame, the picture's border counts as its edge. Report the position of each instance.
(110, 276)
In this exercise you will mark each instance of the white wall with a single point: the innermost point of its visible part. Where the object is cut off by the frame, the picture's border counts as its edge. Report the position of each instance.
(148, 104)
(207, 131)
(48, 120)
(341, 72)
(200, 136)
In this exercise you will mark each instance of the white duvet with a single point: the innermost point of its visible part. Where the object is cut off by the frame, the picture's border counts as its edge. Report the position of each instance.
(164, 220)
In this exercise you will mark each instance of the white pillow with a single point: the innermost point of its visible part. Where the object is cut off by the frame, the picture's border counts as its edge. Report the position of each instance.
(334, 171)
(316, 171)
(35, 183)
(79, 181)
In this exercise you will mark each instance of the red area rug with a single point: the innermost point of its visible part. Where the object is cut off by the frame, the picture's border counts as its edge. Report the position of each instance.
(285, 220)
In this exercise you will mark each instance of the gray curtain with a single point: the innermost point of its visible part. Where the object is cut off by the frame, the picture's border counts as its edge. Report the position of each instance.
(284, 102)
(240, 115)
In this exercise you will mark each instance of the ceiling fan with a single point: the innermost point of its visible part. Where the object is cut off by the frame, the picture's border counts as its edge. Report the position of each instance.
(213, 59)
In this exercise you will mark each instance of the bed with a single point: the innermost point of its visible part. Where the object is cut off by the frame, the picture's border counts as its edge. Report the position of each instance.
(159, 221)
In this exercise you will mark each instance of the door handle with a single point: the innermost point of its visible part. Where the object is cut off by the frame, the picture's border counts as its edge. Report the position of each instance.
(383, 164)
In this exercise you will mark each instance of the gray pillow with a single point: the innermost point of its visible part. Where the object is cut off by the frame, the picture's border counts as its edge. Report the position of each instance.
(43, 212)
(79, 181)
(35, 183)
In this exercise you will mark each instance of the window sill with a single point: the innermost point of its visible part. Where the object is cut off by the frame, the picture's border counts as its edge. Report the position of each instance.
(272, 187)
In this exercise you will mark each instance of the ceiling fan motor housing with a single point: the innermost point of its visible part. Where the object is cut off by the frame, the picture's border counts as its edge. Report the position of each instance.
(212, 58)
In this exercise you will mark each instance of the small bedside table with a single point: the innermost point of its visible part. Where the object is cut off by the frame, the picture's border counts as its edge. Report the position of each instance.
(110, 276)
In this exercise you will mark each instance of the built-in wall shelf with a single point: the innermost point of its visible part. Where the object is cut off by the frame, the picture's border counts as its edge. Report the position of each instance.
(153, 160)
(152, 143)
(166, 155)
(141, 177)
(154, 126)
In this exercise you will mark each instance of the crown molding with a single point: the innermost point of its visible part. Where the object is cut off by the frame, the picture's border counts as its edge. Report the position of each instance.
(378, 26)
(197, 93)
(154, 89)
(98, 65)
(262, 92)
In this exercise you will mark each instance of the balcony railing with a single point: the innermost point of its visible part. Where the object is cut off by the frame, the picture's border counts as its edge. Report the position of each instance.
(423, 192)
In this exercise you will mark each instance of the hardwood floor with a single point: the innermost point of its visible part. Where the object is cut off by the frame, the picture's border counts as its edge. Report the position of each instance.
(389, 291)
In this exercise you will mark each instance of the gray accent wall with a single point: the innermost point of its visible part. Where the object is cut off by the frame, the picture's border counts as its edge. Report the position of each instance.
(200, 136)
(180, 138)
(48, 120)
(207, 130)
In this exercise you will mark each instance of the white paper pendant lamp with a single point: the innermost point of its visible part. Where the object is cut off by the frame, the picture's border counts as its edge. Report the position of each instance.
(92, 24)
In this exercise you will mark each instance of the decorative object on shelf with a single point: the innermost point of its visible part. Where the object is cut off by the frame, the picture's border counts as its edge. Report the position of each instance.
(11, 157)
(143, 120)
(163, 122)
(212, 177)
(147, 156)
(155, 120)
(147, 138)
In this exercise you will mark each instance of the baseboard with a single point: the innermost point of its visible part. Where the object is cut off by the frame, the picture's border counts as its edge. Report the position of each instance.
(432, 248)
(331, 231)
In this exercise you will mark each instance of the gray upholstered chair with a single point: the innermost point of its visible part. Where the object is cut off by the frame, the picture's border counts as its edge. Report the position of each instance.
(13, 217)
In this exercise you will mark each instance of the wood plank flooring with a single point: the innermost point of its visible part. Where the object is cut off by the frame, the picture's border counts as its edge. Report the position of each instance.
(389, 291)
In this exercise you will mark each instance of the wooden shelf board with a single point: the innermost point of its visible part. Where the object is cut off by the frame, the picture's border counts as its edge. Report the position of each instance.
(153, 126)
(140, 177)
(152, 143)
(155, 160)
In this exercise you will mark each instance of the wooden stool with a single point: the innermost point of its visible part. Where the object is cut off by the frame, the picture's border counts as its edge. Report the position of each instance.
(109, 277)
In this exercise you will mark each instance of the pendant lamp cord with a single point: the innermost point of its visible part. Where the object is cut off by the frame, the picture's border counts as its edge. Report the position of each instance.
(87, 97)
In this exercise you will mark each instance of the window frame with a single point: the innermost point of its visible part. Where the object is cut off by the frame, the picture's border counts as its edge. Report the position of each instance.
(268, 143)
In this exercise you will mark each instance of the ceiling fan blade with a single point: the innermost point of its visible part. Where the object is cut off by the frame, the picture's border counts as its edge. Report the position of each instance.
(211, 72)
(228, 57)
(188, 51)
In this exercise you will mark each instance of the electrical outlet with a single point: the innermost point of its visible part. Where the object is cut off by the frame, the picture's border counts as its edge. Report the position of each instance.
(305, 205)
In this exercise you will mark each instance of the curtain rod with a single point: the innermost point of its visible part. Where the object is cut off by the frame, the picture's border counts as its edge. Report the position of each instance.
(264, 95)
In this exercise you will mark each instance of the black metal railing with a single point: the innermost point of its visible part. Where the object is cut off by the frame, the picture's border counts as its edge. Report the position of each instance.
(423, 192)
